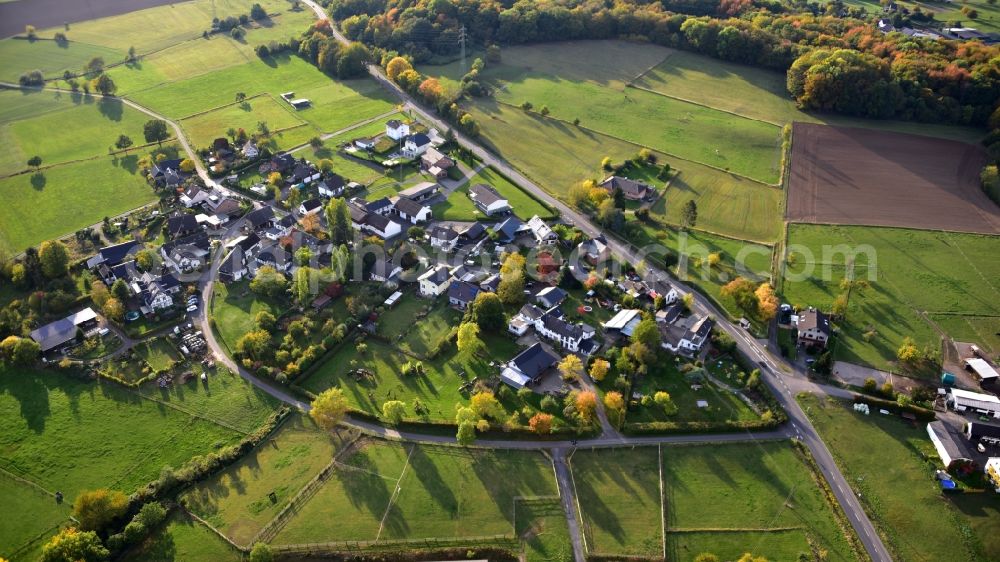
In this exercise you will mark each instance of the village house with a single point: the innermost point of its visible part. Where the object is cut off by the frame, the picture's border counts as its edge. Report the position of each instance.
(302, 173)
(688, 336)
(396, 129)
(624, 322)
(631, 189)
(420, 192)
(384, 269)
(436, 163)
(250, 149)
(274, 256)
(168, 172)
(594, 250)
(331, 186)
(543, 234)
(310, 207)
(372, 223)
(179, 226)
(156, 291)
(279, 228)
(488, 200)
(110, 256)
(528, 366)
(550, 296)
(461, 294)
(411, 211)
(260, 219)
(280, 163)
(813, 328)
(508, 230)
(194, 195)
(186, 254)
(416, 145)
(443, 237)
(435, 281)
(364, 143)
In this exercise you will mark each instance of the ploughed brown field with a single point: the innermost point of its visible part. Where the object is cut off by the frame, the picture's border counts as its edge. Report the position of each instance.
(51, 13)
(842, 175)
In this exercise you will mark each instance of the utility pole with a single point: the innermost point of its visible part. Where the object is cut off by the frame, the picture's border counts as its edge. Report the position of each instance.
(461, 42)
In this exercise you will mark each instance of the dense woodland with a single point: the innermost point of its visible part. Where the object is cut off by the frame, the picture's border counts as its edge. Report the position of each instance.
(835, 61)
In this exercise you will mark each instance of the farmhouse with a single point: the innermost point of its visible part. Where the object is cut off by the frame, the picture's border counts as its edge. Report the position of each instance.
(949, 446)
(396, 129)
(61, 332)
(416, 145)
(488, 199)
(964, 401)
(813, 328)
(528, 366)
(443, 237)
(982, 370)
(435, 281)
(631, 189)
(461, 294)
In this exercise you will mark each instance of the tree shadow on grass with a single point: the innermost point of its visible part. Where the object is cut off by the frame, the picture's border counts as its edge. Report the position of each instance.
(38, 181)
(111, 108)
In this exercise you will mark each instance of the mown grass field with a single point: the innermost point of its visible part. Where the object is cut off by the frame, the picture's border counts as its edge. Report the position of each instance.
(619, 495)
(56, 201)
(18, 56)
(182, 539)
(666, 376)
(67, 435)
(417, 325)
(915, 272)
(459, 207)
(759, 93)
(65, 128)
(36, 511)
(898, 489)
(234, 308)
(542, 528)
(203, 128)
(443, 492)
(237, 502)
(762, 491)
(556, 155)
(157, 352)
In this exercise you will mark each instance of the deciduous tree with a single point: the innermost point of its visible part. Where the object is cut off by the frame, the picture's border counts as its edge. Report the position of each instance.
(586, 406)
(72, 545)
(54, 258)
(329, 408)
(614, 406)
(469, 344)
(599, 369)
(511, 287)
(155, 130)
(487, 311)
(570, 367)
(393, 411)
(95, 509)
(541, 423)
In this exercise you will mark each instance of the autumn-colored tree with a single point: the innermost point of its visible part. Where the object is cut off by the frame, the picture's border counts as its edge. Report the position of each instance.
(397, 66)
(706, 557)
(599, 369)
(570, 367)
(72, 545)
(114, 309)
(274, 178)
(747, 557)
(586, 406)
(767, 301)
(99, 293)
(96, 508)
(329, 408)
(469, 344)
(54, 258)
(664, 401)
(742, 291)
(614, 406)
(431, 90)
(485, 405)
(19, 351)
(187, 165)
(511, 288)
(541, 423)
(393, 411)
(908, 351)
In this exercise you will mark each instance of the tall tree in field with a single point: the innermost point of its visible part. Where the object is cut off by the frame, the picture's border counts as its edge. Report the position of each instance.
(105, 85)
(96, 508)
(689, 213)
(35, 162)
(54, 258)
(511, 288)
(338, 219)
(329, 408)
(123, 143)
(72, 545)
(469, 344)
(353, 61)
(743, 292)
(155, 130)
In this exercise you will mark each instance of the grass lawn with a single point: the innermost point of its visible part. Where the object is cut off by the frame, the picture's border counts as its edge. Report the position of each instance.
(749, 486)
(413, 327)
(543, 531)
(897, 486)
(731, 545)
(158, 353)
(202, 129)
(234, 307)
(57, 201)
(759, 93)
(619, 495)
(18, 56)
(119, 440)
(533, 143)
(237, 500)
(85, 127)
(459, 207)
(982, 330)
(722, 405)
(914, 272)
(182, 538)
(444, 492)
(225, 396)
(36, 512)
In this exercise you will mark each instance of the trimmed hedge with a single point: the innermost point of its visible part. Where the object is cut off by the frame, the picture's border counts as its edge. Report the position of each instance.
(923, 414)
(728, 426)
(413, 555)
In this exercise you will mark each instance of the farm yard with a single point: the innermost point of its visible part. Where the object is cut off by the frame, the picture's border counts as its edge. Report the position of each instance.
(857, 176)
(897, 488)
(913, 275)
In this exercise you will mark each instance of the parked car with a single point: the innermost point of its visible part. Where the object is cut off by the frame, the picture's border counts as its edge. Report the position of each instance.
(192, 308)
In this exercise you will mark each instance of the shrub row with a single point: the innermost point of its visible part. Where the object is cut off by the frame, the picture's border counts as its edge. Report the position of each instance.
(728, 426)
(412, 555)
(923, 414)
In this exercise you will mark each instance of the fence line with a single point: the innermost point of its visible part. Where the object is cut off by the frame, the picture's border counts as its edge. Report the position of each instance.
(213, 529)
(395, 544)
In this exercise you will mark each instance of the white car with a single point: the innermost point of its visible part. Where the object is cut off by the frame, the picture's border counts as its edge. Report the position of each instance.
(192, 308)
(192, 300)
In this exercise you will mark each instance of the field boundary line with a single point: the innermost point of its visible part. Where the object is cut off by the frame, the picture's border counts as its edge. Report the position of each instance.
(368, 545)
(706, 106)
(25, 481)
(275, 525)
(576, 498)
(682, 530)
(224, 424)
(79, 160)
(663, 219)
(890, 226)
(213, 529)
(661, 151)
(972, 264)
(663, 501)
(631, 81)
(225, 105)
(395, 494)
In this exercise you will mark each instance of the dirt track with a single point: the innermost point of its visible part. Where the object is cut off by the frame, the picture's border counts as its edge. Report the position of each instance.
(51, 13)
(862, 176)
